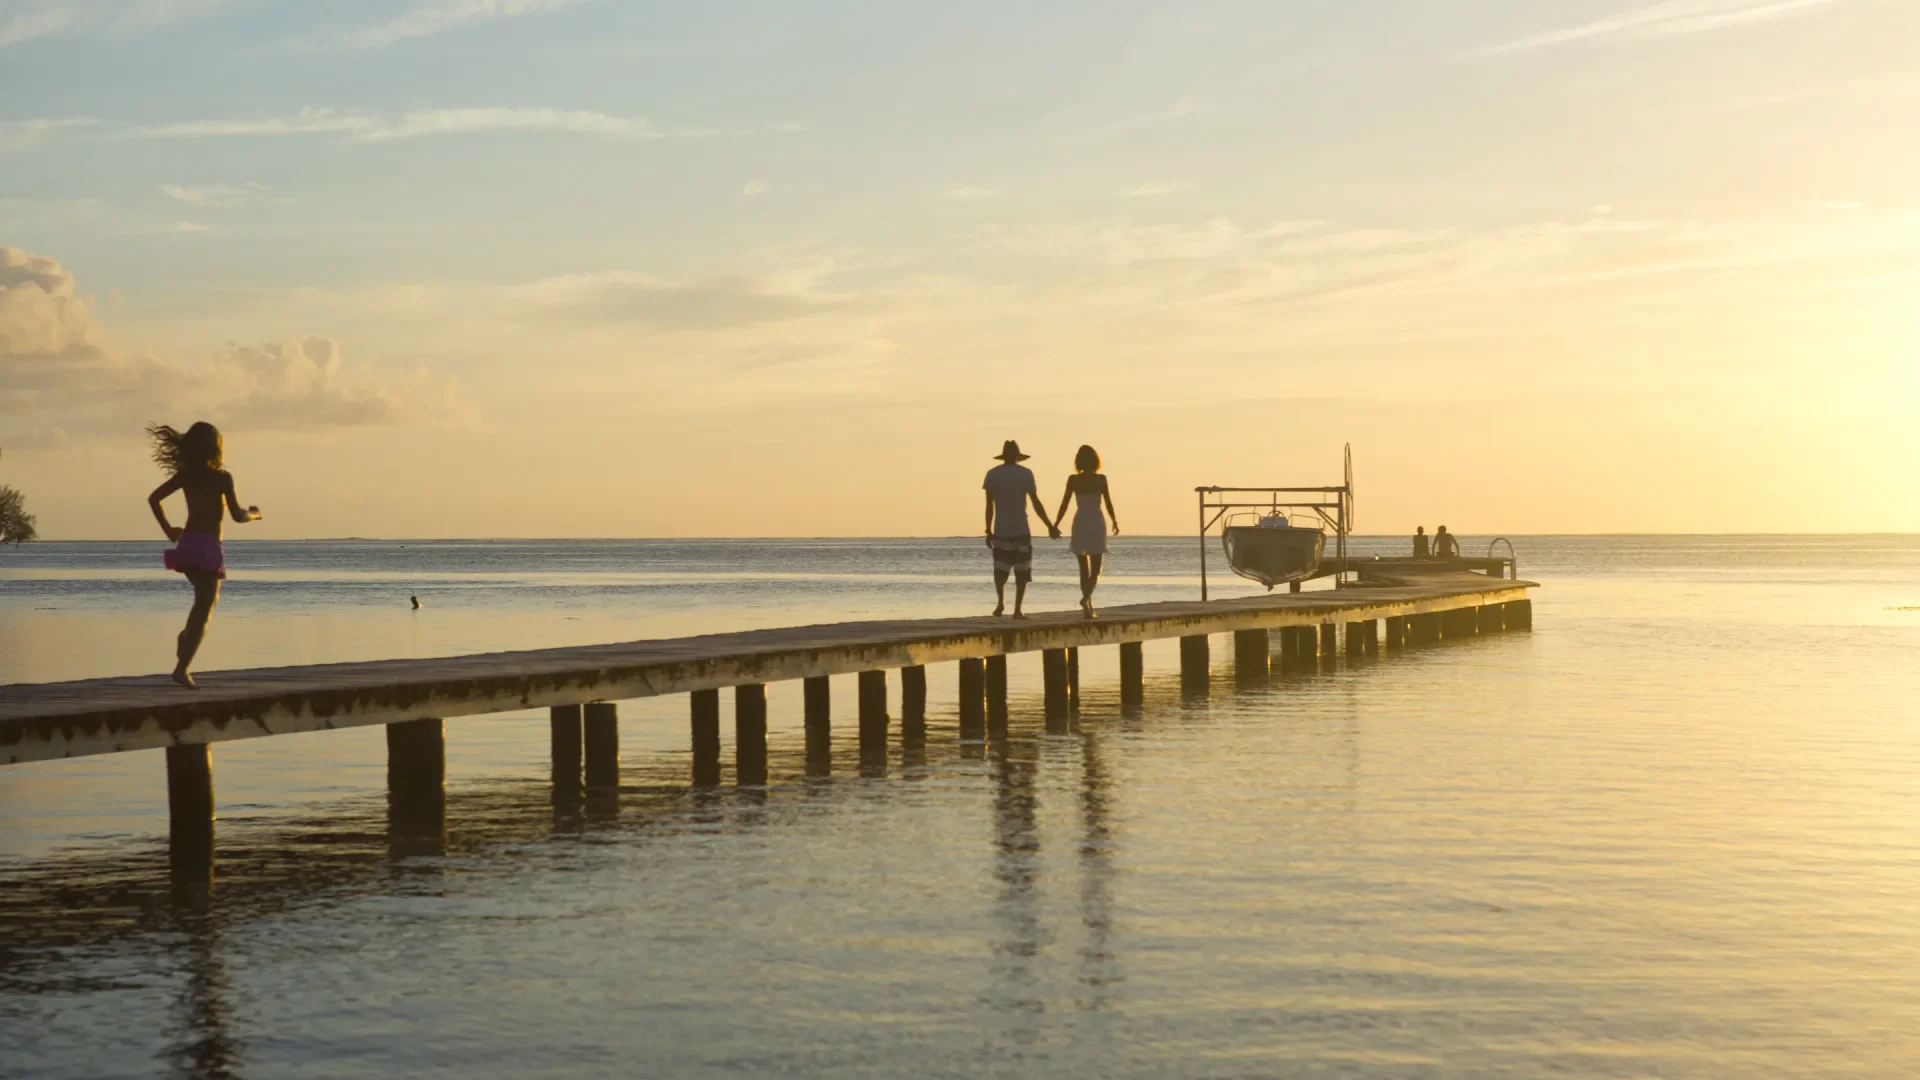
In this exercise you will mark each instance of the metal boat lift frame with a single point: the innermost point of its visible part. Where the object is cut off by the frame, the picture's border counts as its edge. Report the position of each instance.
(1336, 515)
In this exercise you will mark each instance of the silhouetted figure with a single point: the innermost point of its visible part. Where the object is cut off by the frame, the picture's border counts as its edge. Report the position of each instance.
(1089, 543)
(1010, 488)
(195, 461)
(1444, 545)
(1419, 541)
(416, 602)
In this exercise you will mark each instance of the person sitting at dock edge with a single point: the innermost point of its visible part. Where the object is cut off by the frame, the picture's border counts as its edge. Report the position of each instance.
(1010, 487)
(1444, 545)
(1419, 541)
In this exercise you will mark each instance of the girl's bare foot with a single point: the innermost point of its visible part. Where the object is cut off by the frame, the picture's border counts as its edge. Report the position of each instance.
(180, 676)
(999, 611)
(1018, 614)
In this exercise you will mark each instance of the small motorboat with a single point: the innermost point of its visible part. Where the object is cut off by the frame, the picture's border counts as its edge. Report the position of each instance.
(1273, 550)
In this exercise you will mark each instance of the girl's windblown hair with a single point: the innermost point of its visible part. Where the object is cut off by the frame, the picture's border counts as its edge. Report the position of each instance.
(199, 447)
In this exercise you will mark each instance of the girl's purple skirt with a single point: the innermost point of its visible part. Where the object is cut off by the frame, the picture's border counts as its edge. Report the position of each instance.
(198, 551)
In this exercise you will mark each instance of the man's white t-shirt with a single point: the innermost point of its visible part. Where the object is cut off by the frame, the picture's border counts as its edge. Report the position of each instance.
(1010, 484)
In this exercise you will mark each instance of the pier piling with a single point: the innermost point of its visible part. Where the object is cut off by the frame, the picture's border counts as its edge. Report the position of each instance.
(997, 695)
(1053, 671)
(1519, 614)
(1493, 618)
(750, 735)
(818, 694)
(1133, 675)
(973, 698)
(1396, 633)
(913, 704)
(600, 727)
(1329, 643)
(1195, 664)
(705, 707)
(568, 751)
(873, 712)
(190, 817)
(417, 787)
(1073, 679)
(1252, 658)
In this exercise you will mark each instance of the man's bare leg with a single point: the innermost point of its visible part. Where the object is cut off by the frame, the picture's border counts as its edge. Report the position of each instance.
(1000, 593)
(1019, 598)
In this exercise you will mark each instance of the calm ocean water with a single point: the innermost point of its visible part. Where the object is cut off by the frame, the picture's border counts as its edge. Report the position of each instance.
(1673, 832)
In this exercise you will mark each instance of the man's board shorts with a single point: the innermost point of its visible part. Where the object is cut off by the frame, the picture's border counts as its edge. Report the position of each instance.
(1014, 555)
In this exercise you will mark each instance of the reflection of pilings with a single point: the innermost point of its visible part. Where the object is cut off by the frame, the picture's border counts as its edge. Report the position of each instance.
(997, 695)
(417, 788)
(1098, 966)
(568, 752)
(1251, 658)
(1133, 675)
(705, 707)
(1053, 677)
(973, 698)
(913, 705)
(190, 821)
(818, 693)
(1194, 665)
(1016, 868)
(750, 735)
(204, 1046)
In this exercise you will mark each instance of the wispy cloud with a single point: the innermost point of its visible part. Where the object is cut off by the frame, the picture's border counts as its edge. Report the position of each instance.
(219, 196)
(25, 134)
(420, 123)
(49, 17)
(755, 187)
(969, 193)
(1671, 19)
(37, 22)
(1146, 191)
(430, 19)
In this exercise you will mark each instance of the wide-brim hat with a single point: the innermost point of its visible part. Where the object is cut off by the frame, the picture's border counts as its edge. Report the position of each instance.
(1011, 452)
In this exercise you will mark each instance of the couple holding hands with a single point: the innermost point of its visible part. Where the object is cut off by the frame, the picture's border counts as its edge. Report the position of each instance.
(1009, 487)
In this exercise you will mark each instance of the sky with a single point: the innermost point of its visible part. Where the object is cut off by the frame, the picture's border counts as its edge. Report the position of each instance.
(611, 268)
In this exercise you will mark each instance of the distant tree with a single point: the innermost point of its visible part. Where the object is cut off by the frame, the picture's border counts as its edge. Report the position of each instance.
(16, 525)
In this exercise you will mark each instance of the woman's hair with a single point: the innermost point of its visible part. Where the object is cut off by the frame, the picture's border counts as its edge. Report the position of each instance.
(199, 447)
(1087, 460)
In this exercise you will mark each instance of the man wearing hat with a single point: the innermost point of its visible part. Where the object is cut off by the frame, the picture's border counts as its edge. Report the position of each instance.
(1009, 488)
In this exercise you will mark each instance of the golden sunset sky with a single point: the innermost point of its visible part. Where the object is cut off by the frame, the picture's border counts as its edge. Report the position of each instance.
(599, 268)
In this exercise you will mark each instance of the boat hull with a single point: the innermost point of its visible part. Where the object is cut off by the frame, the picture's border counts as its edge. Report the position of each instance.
(1270, 556)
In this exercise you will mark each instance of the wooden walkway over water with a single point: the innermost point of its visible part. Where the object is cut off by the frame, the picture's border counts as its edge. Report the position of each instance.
(1396, 605)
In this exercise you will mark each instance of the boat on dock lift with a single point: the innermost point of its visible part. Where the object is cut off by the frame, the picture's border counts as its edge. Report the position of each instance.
(1278, 534)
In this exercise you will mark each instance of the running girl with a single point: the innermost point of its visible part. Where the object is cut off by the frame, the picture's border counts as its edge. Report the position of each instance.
(194, 460)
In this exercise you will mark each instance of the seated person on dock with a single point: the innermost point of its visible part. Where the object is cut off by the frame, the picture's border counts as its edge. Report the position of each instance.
(1419, 541)
(1444, 545)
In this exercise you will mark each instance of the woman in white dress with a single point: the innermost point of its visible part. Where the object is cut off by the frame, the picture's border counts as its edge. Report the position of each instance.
(1089, 544)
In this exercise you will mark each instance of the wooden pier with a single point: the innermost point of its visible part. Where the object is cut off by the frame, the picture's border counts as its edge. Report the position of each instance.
(415, 698)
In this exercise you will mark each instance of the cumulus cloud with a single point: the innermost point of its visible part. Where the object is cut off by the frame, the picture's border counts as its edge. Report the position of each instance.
(61, 372)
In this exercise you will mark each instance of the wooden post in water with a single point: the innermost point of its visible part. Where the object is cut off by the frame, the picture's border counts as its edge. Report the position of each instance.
(1133, 675)
(190, 817)
(600, 725)
(1492, 618)
(913, 704)
(1073, 680)
(1357, 640)
(568, 751)
(1519, 615)
(973, 698)
(417, 787)
(818, 693)
(750, 735)
(1252, 663)
(1396, 633)
(706, 737)
(1195, 663)
(997, 695)
(873, 713)
(1373, 637)
(1053, 671)
(1329, 643)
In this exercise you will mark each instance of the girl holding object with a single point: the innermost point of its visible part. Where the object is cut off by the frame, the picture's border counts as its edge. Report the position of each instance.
(194, 460)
